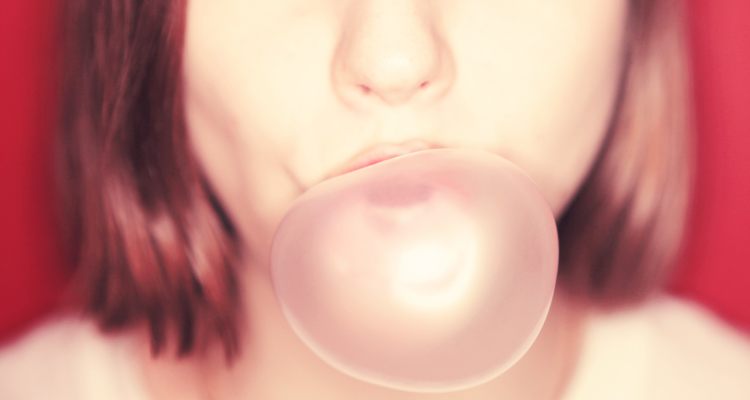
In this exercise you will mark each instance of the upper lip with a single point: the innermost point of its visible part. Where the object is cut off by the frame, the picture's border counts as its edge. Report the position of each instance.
(383, 152)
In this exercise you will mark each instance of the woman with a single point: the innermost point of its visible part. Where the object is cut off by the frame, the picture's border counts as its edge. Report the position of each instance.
(189, 129)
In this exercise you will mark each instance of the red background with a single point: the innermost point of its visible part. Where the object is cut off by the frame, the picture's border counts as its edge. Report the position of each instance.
(716, 263)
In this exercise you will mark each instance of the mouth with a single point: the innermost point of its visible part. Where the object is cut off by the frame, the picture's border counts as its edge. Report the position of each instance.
(382, 153)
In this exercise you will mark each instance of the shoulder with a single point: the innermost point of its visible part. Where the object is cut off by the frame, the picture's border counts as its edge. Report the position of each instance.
(698, 354)
(64, 358)
(665, 348)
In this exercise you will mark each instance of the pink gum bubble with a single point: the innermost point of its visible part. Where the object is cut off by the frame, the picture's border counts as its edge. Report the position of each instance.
(429, 272)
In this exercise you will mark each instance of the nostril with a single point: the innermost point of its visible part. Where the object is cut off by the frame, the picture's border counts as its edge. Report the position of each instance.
(365, 89)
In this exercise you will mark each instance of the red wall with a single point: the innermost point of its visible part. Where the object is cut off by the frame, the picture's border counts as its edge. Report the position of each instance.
(31, 274)
(716, 263)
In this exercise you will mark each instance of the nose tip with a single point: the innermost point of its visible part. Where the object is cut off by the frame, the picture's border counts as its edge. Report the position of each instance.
(391, 53)
(395, 77)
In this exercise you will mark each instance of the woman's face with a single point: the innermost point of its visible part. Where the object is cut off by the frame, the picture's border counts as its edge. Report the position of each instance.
(282, 94)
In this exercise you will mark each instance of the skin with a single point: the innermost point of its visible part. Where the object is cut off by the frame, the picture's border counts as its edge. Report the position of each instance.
(283, 94)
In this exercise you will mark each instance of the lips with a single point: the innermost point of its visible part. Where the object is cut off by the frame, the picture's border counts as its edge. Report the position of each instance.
(383, 152)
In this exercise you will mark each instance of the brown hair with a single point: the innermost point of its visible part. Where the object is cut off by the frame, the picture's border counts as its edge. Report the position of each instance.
(153, 245)
(622, 232)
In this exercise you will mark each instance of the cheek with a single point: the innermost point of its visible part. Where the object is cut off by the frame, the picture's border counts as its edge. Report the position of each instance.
(247, 172)
(242, 107)
(543, 90)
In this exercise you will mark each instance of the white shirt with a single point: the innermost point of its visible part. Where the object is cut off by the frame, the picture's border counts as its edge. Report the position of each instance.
(69, 359)
(664, 349)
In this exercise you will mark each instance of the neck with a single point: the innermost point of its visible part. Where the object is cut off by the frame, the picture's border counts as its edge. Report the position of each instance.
(275, 364)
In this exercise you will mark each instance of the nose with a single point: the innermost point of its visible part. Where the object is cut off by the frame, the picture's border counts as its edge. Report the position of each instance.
(391, 51)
